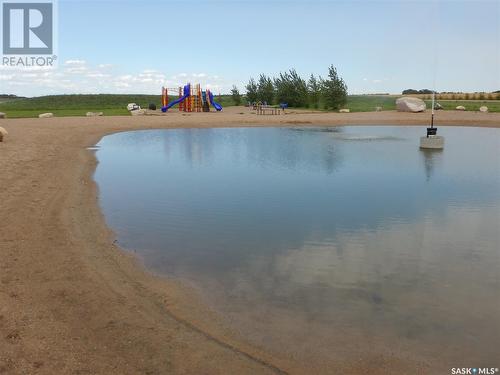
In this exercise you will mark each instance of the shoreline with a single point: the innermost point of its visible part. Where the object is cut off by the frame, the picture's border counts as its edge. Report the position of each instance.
(72, 301)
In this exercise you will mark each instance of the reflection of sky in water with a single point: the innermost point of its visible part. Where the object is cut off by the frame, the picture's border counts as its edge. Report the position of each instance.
(351, 230)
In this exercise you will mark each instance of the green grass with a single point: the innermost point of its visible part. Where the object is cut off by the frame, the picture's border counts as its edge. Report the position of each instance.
(64, 112)
(79, 105)
(368, 103)
(114, 105)
(470, 105)
(102, 102)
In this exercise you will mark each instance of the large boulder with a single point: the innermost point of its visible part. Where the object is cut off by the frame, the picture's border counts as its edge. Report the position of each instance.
(3, 133)
(133, 107)
(3, 115)
(94, 114)
(138, 112)
(483, 109)
(409, 104)
(46, 115)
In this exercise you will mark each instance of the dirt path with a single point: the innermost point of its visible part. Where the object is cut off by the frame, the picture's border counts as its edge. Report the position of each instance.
(70, 301)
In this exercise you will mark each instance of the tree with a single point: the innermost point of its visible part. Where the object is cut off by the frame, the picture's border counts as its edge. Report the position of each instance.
(235, 95)
(265, 89)
(334, 90)
(314, 91)
(291, 89)
(251, 91)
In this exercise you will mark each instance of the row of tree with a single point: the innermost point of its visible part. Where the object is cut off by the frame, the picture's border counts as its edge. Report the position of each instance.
(290, 88)
(413, 91)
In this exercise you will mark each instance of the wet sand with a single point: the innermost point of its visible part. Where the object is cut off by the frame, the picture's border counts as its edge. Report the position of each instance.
(72, 302)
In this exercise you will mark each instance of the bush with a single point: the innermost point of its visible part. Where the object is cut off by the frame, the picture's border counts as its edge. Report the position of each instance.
(235, 95)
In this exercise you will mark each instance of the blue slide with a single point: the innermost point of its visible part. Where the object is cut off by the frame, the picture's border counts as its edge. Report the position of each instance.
(187, 93)
(216, 105)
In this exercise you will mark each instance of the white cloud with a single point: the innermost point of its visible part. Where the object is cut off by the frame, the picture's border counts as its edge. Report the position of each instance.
(75, 62)
(78, 76)
(6, 77)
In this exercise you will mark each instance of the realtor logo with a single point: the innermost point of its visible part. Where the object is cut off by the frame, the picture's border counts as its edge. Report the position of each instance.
(29, 33)
(28, 28)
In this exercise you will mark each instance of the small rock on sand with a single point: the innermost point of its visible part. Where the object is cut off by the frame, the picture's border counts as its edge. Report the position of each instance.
(344, 110)
(3, 133)
(46, 115)
(460, 108)
(483, 109)
(94, 114)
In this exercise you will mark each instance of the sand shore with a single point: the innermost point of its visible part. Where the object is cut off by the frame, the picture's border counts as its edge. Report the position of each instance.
(71, 302)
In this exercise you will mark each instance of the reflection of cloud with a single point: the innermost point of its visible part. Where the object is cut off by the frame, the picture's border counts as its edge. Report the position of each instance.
(368, 257)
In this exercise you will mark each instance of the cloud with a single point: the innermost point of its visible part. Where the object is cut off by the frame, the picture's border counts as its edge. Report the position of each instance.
(6, 77)
(78, 76)
(75, 62)
(75, 66)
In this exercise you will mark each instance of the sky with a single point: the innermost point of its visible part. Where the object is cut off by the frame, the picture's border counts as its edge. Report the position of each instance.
(377, 46)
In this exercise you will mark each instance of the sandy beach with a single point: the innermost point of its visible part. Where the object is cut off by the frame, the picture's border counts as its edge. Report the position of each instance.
(72, 302)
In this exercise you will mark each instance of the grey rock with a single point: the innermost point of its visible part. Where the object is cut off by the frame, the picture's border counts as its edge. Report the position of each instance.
(409, 104)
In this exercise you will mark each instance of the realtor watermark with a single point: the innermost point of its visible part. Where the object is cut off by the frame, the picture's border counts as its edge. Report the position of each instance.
(29, 33)
(474, 370)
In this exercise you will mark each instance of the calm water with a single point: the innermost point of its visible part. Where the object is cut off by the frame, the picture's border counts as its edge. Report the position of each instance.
(323, 245)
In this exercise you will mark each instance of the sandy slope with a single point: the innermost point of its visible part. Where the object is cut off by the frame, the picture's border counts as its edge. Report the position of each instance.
(72, 303)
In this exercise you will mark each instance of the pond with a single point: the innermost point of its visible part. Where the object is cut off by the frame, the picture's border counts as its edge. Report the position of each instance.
(325, 245)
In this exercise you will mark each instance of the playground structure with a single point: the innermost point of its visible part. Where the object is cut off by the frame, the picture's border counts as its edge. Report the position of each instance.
(190, 99)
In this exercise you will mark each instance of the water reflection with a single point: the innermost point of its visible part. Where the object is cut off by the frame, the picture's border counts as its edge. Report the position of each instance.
(322, 244)
(431, 157)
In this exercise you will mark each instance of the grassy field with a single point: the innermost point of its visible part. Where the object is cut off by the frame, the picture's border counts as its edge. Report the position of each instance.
(366, 103)
(113, 105)
(470, 105)
(79, 105)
